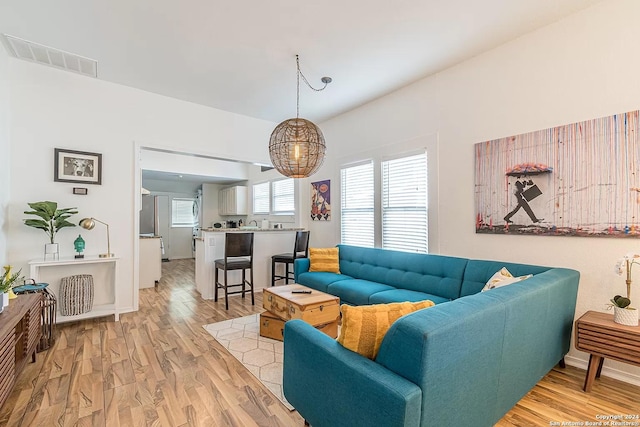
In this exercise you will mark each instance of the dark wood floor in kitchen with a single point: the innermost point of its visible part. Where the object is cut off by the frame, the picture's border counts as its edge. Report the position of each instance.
(159, 367)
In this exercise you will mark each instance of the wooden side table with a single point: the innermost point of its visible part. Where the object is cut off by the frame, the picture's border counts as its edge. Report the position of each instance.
(19, 337)
(601, 337)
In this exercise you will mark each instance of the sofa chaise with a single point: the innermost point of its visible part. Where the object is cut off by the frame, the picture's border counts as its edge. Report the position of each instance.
(465, 361)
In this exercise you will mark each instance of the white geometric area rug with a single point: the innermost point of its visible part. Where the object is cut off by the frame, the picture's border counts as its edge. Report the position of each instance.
(261, 356)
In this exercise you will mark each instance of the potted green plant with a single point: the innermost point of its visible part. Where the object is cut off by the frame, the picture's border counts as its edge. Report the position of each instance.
(7, 282)
(50, 220)
(623, 313)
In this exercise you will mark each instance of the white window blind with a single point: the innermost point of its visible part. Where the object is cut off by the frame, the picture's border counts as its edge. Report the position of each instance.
(357, 205)
(283, 197)
(404, 204)
(182, 213)
(261, 197)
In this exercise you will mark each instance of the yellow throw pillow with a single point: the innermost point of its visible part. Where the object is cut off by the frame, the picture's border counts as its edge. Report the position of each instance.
(324, 259)
(364, 327)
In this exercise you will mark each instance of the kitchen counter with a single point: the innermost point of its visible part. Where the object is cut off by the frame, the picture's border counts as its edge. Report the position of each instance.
(150, 254)
(266, 243)
(249, 230)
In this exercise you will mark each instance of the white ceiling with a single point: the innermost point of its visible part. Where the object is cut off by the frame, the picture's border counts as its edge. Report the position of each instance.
(239, 56)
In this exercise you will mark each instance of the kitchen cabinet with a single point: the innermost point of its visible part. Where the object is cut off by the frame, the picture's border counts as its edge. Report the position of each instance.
(150, 261)
(233, 200)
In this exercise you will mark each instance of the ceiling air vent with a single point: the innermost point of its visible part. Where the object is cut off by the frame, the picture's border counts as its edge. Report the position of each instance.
(41, 54)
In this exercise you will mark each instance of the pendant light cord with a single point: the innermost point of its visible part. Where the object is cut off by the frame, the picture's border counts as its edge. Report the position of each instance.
(298, 88)
(325, 80)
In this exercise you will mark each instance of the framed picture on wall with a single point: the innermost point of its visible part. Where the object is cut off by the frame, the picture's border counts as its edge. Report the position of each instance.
(321, 200)
(77, 166)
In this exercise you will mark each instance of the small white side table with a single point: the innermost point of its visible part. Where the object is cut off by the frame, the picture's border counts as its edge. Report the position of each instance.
(104, 272)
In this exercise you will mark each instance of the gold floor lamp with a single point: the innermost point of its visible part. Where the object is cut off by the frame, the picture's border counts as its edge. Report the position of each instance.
(88, 224)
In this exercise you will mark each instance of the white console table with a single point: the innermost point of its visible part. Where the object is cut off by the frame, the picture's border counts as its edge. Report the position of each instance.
(104, 272)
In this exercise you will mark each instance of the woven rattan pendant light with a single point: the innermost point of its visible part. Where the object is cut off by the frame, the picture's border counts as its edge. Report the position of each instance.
(297, 146)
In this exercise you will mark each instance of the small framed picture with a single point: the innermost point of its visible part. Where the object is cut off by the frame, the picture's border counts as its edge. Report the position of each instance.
(77, 166)
(321, 200)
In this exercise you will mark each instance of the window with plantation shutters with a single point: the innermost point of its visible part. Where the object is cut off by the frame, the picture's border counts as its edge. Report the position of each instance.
(357, 205)
(182, 213)
(404, 204)
(283, 197)
(261, 198)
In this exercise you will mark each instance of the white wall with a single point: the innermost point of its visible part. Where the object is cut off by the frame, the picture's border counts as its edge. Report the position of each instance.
(193, 165)
(175, 186)
(210, 211)
(52, 108)
(4, 153)
(582, 67)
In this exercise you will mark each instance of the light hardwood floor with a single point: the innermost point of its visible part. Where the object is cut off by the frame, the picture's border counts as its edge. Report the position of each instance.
(159, 367)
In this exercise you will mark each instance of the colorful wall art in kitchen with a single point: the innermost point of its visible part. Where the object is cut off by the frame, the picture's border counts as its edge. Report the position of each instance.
(321, 200)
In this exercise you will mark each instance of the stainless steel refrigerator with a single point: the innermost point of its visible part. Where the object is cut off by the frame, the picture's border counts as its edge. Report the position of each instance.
(149, 223)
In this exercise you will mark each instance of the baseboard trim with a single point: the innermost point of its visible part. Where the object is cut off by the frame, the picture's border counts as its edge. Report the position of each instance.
(616, 374)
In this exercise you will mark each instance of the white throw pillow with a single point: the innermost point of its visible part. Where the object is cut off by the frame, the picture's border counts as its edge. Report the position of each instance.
(503, 278)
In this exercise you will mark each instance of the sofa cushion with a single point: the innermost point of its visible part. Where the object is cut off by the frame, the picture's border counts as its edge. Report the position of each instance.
(431, 274)
(503, 278)
(364, 327)
(320, 280)
(400, 295)
(324, 259)
(356, 291)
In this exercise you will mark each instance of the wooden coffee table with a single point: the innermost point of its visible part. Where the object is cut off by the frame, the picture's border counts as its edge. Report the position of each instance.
(317, 308)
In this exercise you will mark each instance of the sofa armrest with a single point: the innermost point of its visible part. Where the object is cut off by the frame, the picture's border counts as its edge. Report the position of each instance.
(330, 385)
(300, 265)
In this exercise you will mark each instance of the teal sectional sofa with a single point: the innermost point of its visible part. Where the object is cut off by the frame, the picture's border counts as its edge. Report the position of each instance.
(465, 362)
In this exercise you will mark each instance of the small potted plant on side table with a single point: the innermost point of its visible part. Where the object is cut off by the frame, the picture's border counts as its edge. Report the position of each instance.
(7, 282)
(51, 220)
(623, 313)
